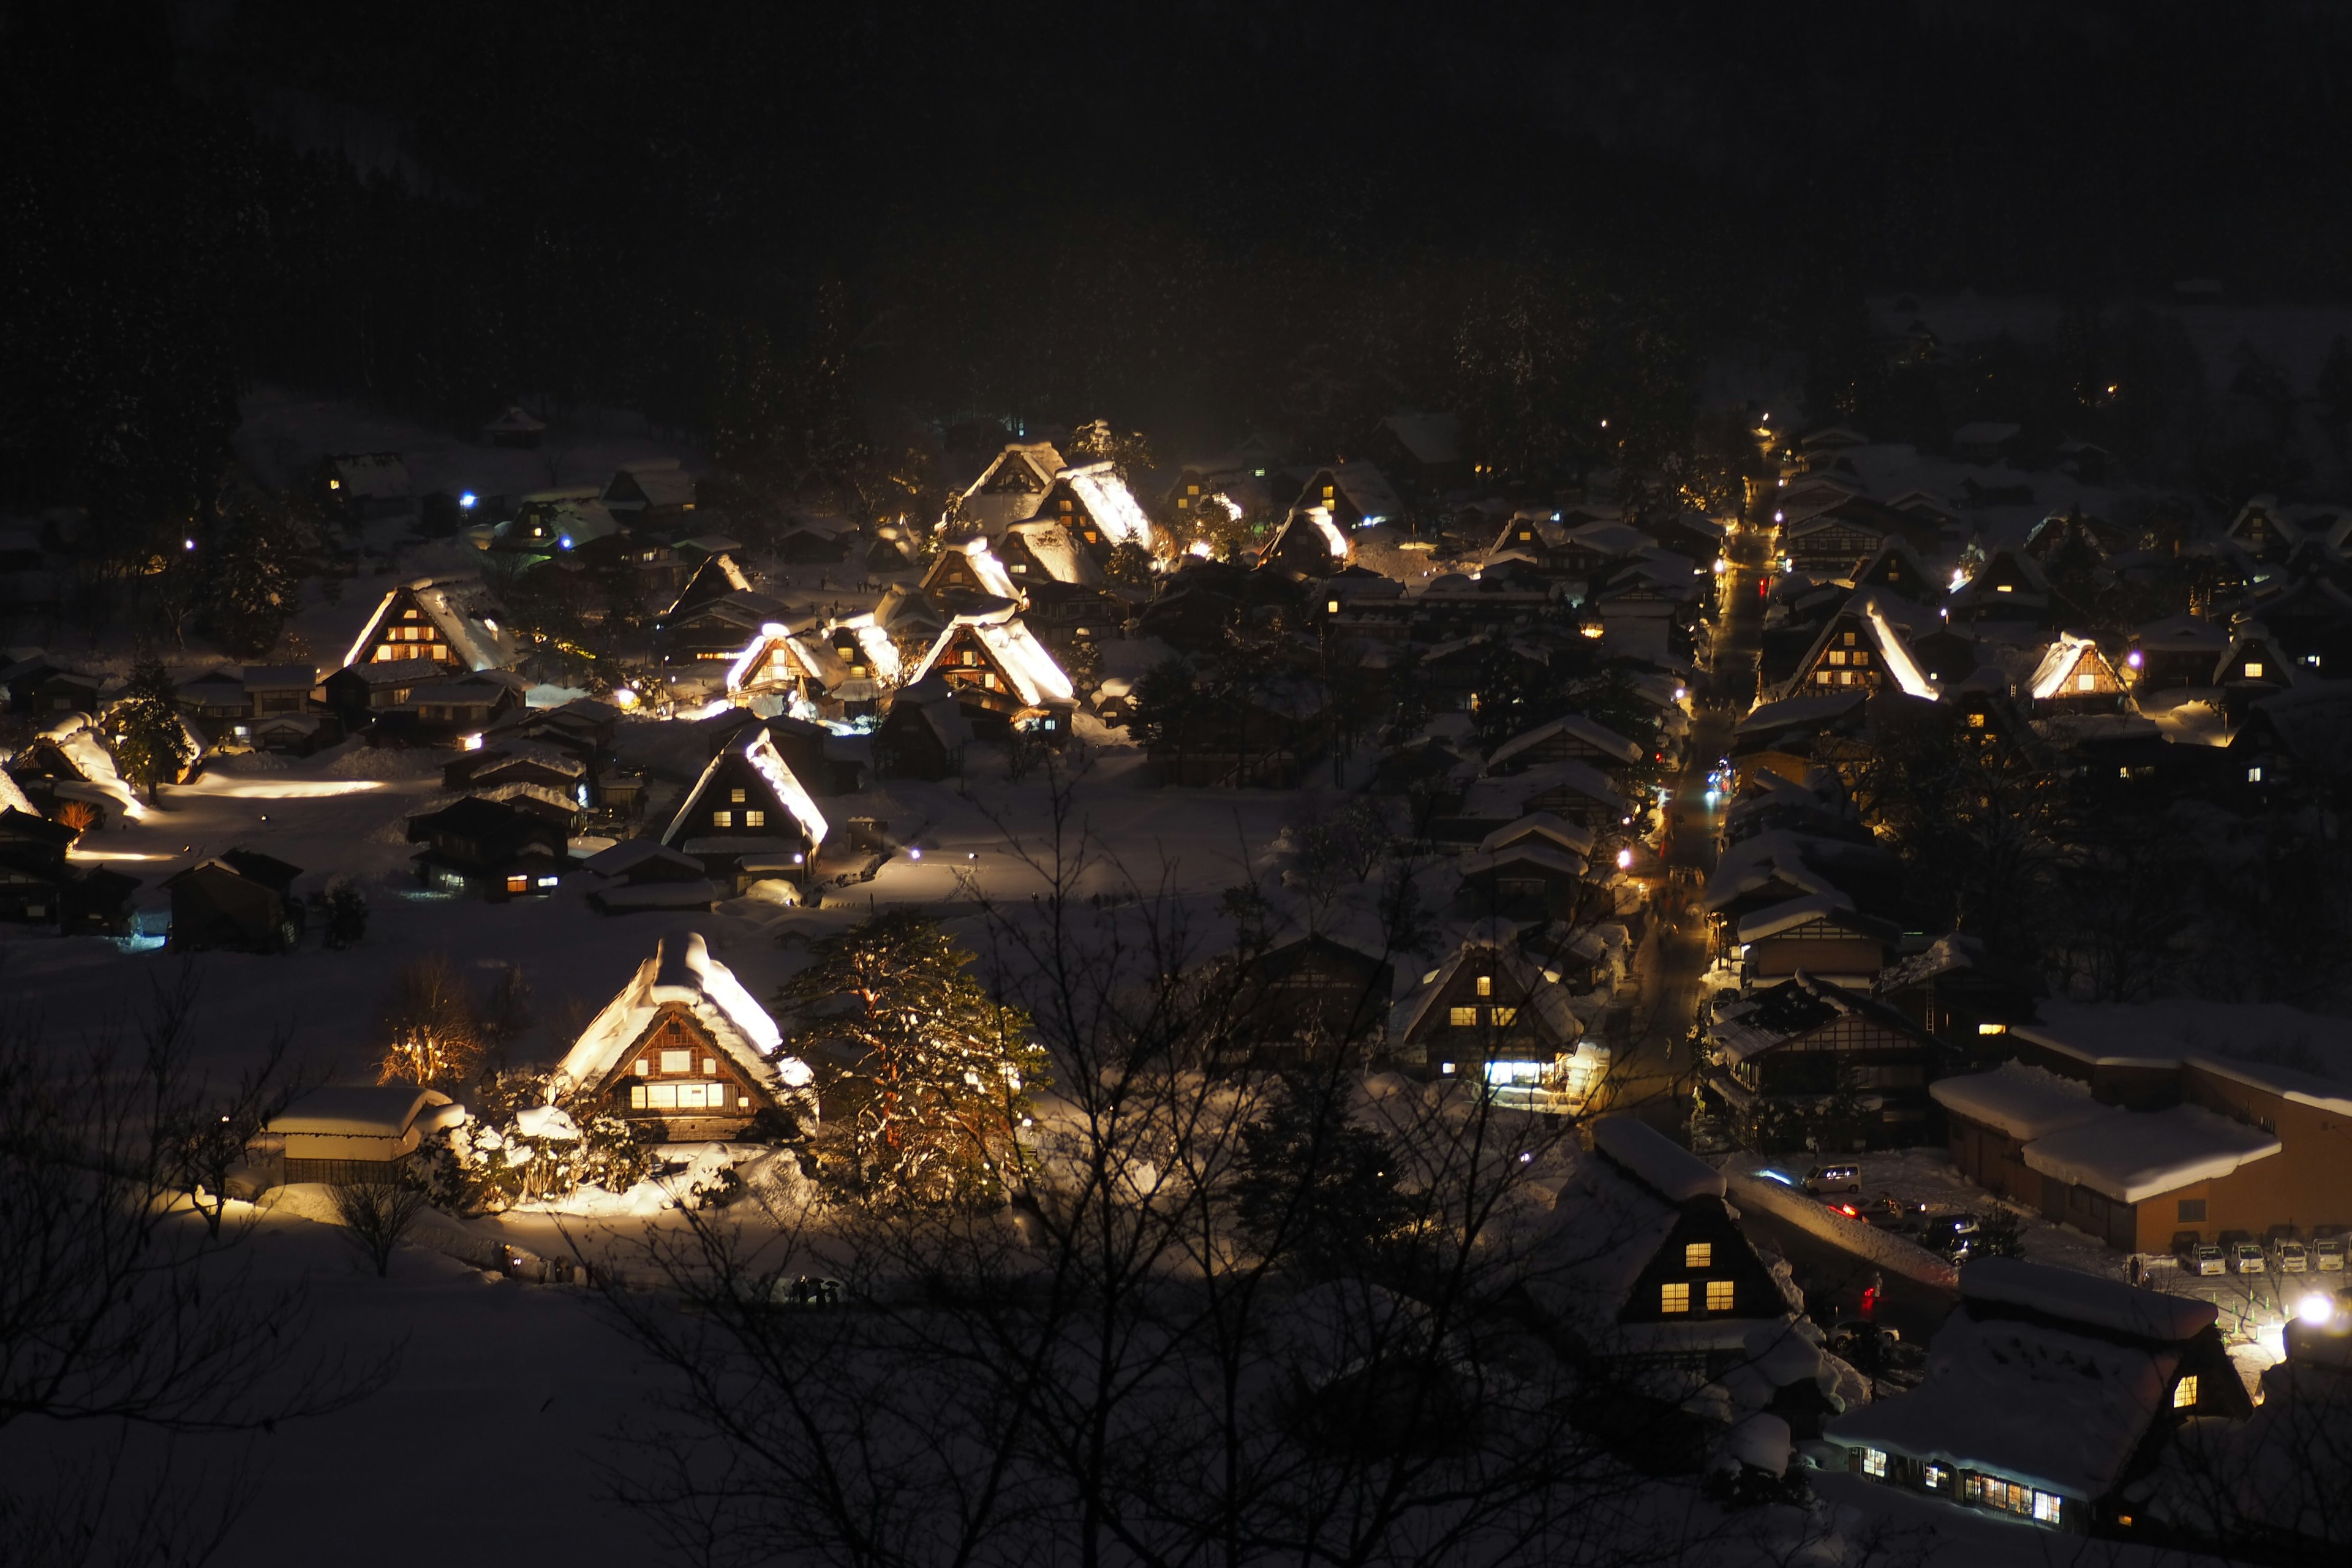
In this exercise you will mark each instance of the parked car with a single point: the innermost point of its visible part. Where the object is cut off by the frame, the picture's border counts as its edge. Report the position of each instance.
(2247, 1257)
(1953, 1235)
(2208, 1259)
(1833, 1179)
(2328, 1253)
(2292, 1256)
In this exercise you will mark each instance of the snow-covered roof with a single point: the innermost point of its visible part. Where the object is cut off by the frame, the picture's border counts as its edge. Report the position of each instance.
(1598, 736)
(2058, 662)
(449, 604)
(2133, 1156)
(682, 972)
(2026, 1102)
(994, 578)
(993, 507)
(13, 798)
(1661, 1165)
(631, 853)
(660, 480)
(1493, 943)
(881, 653)
(2036, 1403)
(1509, 793)
(515, 420)
(1036, 679)
(2080, 1298)
(754, 746)
(83, 747)
(1533, 853)
(1063, 557)
(1318, 520)
(357, 1110)
(1109, 502)
(1774, 918)
(813, 653)
(1540, 825)
(2249, 1036)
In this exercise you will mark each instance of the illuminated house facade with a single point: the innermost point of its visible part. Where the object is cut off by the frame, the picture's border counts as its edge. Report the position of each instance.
(685, 1055)
(1003, 677)
(445, 619)
(2048, 1393)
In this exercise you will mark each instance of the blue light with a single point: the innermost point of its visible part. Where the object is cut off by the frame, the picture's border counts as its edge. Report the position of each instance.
(564, 543)
(1777, 1177)
(466, 501)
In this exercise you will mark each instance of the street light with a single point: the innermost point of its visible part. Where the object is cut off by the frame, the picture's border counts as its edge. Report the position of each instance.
(2315, 1309)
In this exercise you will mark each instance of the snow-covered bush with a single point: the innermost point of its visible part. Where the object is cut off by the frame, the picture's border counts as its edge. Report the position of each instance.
(710, 1180)
(522, 1149)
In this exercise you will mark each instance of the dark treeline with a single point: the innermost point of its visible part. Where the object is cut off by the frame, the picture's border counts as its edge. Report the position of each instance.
(1190, 217)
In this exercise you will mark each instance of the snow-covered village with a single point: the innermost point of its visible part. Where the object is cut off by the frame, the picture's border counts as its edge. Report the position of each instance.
(731, 834)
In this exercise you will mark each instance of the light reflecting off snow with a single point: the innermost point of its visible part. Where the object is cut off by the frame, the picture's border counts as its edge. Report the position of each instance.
(289, 789)
(78, 853)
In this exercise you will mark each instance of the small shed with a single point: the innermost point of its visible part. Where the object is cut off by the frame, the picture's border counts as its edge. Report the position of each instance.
(350, 1133)
(239, 899)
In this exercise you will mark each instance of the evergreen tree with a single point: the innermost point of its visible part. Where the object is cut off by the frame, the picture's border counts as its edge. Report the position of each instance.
(150, 742)
(342, 911)
(251, 587)
(939, 1077)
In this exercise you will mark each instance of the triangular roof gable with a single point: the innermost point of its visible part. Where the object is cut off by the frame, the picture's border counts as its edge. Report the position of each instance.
(1099, 496)
(1865, 615)
(2063, 664)
(717, 577)
(682, 979)
(1488, 946)
(1581, 736)
(478, 643)
(1309, 539)
(1025, 468)
(753, 758)
(2252, 655)
(1029, 672)
(1046, 547)
(1897, 568)
(970, 566)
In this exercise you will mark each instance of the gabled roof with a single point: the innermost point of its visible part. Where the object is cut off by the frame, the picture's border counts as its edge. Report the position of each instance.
(2026, 1102)
(1832, 905)
(515, 420)
(2061, 659)
(1537, 827)
(1494, 943)
(453, 605)
(1512, 791)
(1664, 1166)
(1063, 557)
(815, 655)
(1036, 679)
(1036, 463)
(475, 817)
(1890, 621)
(660, 480)
(932, 700)
(1600, 737)
(1109, 502)
(1535, 855)
(1313, 521)
(754, 747)
(682, 974)
(994, 580)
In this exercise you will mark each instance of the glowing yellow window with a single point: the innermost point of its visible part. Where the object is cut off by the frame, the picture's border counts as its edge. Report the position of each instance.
(1719, 1295)
(1505, 1017)
(2086, 681)
(755, 819)
(735, 795)
(1976, 721)
(1674, 1298)
(723, 819)
(2254, 670)
(1462, 1017)
(1698, 1255)
(1486, 985)
(2184, 1392)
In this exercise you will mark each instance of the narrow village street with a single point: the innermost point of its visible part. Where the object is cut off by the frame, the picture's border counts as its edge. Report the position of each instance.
(1653, 1080)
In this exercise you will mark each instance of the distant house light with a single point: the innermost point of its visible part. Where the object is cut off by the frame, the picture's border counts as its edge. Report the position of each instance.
(189, 543)
(564, 543)
(1624, 859)
(466, 501)
(547, 881)
(1992, 1028)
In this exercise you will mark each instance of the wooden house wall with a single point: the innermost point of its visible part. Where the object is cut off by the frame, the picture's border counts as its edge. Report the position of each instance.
(1704, 1221)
